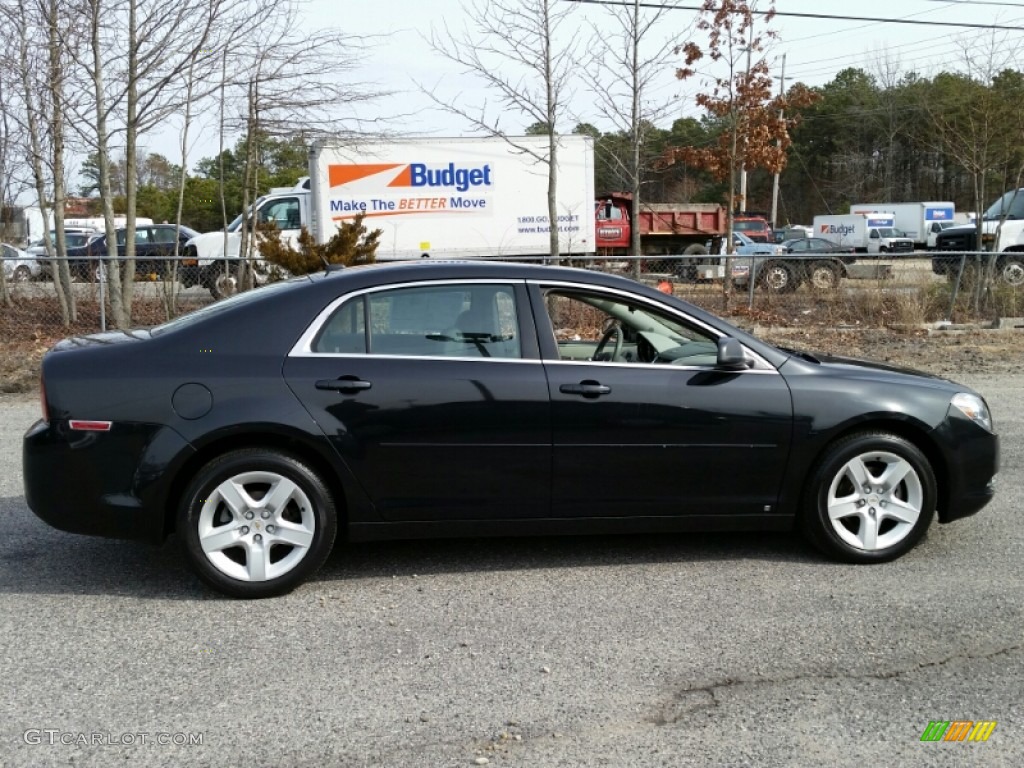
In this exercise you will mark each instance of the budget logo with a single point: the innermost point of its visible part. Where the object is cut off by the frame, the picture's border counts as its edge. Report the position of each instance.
(461, 178)
(958, 730)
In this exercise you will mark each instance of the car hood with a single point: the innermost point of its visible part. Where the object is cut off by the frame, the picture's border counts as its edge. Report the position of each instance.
(873, 369)
(856, 363)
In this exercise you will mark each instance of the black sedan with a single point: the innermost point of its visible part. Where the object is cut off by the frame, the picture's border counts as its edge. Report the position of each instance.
(154, 249)
(479, 398)
(817, 245)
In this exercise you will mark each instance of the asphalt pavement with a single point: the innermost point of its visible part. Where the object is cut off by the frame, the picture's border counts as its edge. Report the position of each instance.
(682, 650)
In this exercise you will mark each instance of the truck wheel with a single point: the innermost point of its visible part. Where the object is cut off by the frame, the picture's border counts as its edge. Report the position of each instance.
(1011, 270)
(695, 249)
(223, 285)
(22, 274)
(778, 277)
(824, 276)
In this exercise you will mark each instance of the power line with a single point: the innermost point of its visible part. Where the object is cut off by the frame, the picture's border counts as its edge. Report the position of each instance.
(794, 14)
(976, 2)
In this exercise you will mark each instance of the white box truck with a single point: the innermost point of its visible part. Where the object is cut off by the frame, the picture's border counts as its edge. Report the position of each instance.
(921, 222)
(865, 232)
(1002, 232)
(438, 197)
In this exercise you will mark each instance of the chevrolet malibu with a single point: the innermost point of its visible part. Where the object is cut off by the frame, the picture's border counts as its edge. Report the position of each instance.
(480, 398)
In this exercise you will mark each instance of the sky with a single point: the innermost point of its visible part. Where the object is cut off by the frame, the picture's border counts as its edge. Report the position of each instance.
(813, 51)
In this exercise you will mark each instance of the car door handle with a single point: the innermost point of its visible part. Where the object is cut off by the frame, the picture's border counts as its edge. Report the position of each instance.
(343, 384)
(585, 388)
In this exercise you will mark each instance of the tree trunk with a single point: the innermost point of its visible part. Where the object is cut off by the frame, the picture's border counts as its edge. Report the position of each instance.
(131, 162)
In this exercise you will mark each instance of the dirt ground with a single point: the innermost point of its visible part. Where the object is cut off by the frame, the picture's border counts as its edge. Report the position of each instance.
(946, 352)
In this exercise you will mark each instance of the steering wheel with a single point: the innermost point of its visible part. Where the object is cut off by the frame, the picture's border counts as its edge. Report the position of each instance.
(615, 332)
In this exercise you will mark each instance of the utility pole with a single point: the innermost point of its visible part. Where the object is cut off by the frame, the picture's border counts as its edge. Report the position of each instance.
(743, 164)
(775, 181)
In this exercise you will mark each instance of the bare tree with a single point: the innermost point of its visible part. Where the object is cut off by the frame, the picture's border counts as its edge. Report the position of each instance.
(525, 54)
(39, 61)
(622, 73)
(172, 53)
(287, 81)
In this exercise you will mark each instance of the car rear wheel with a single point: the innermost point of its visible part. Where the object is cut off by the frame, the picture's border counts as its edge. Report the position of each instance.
(22, 274)
(871, 498)
(256, 523)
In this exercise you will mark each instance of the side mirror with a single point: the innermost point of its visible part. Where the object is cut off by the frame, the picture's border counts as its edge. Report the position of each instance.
(730, 355)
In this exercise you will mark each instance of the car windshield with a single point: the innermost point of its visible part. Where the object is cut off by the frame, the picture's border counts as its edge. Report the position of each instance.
(889, 232)
(236, 223)
(750, 226)
(1011, 204)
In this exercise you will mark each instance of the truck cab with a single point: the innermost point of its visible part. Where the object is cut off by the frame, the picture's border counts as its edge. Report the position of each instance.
(888, 240)
(287, 207)
(1002, 231)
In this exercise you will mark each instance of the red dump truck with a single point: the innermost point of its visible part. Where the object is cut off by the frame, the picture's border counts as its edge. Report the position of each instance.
(666, 230)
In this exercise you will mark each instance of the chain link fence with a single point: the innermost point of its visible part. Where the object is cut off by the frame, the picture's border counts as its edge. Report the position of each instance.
(838, 290)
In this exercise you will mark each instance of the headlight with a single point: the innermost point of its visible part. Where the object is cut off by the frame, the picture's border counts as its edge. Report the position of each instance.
(974, 408)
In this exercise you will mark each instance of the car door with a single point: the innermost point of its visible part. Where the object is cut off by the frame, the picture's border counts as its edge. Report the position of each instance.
(434, 397)
(145, 249)
(161, 248)
(673, 436)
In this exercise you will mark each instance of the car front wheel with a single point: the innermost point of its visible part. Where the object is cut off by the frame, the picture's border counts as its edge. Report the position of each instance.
(256, 523)
(871, 498)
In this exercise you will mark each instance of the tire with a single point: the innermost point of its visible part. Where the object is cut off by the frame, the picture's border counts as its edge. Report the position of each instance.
(22, 274)
(239, 547)
(778, 277)
(695, 249)
(222, 285)
(849, 524)
(823, 276)
(1011, 270)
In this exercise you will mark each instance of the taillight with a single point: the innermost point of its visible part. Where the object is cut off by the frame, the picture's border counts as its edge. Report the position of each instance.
(42, 398)
(83, 425)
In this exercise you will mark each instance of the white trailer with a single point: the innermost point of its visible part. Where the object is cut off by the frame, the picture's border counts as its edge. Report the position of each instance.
(866, 232)
(463, 197)
(921, 222)
(431, 197)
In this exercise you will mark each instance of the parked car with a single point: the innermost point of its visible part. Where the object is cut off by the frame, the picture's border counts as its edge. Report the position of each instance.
(817, 261)
(73, 238)
(19, 266)
(475, 398)
(154, 244)
(814, 245)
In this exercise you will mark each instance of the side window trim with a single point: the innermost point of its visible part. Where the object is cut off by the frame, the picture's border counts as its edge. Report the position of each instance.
(528, 349)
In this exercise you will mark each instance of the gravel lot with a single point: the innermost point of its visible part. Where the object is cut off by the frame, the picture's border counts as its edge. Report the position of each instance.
(633, 651)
